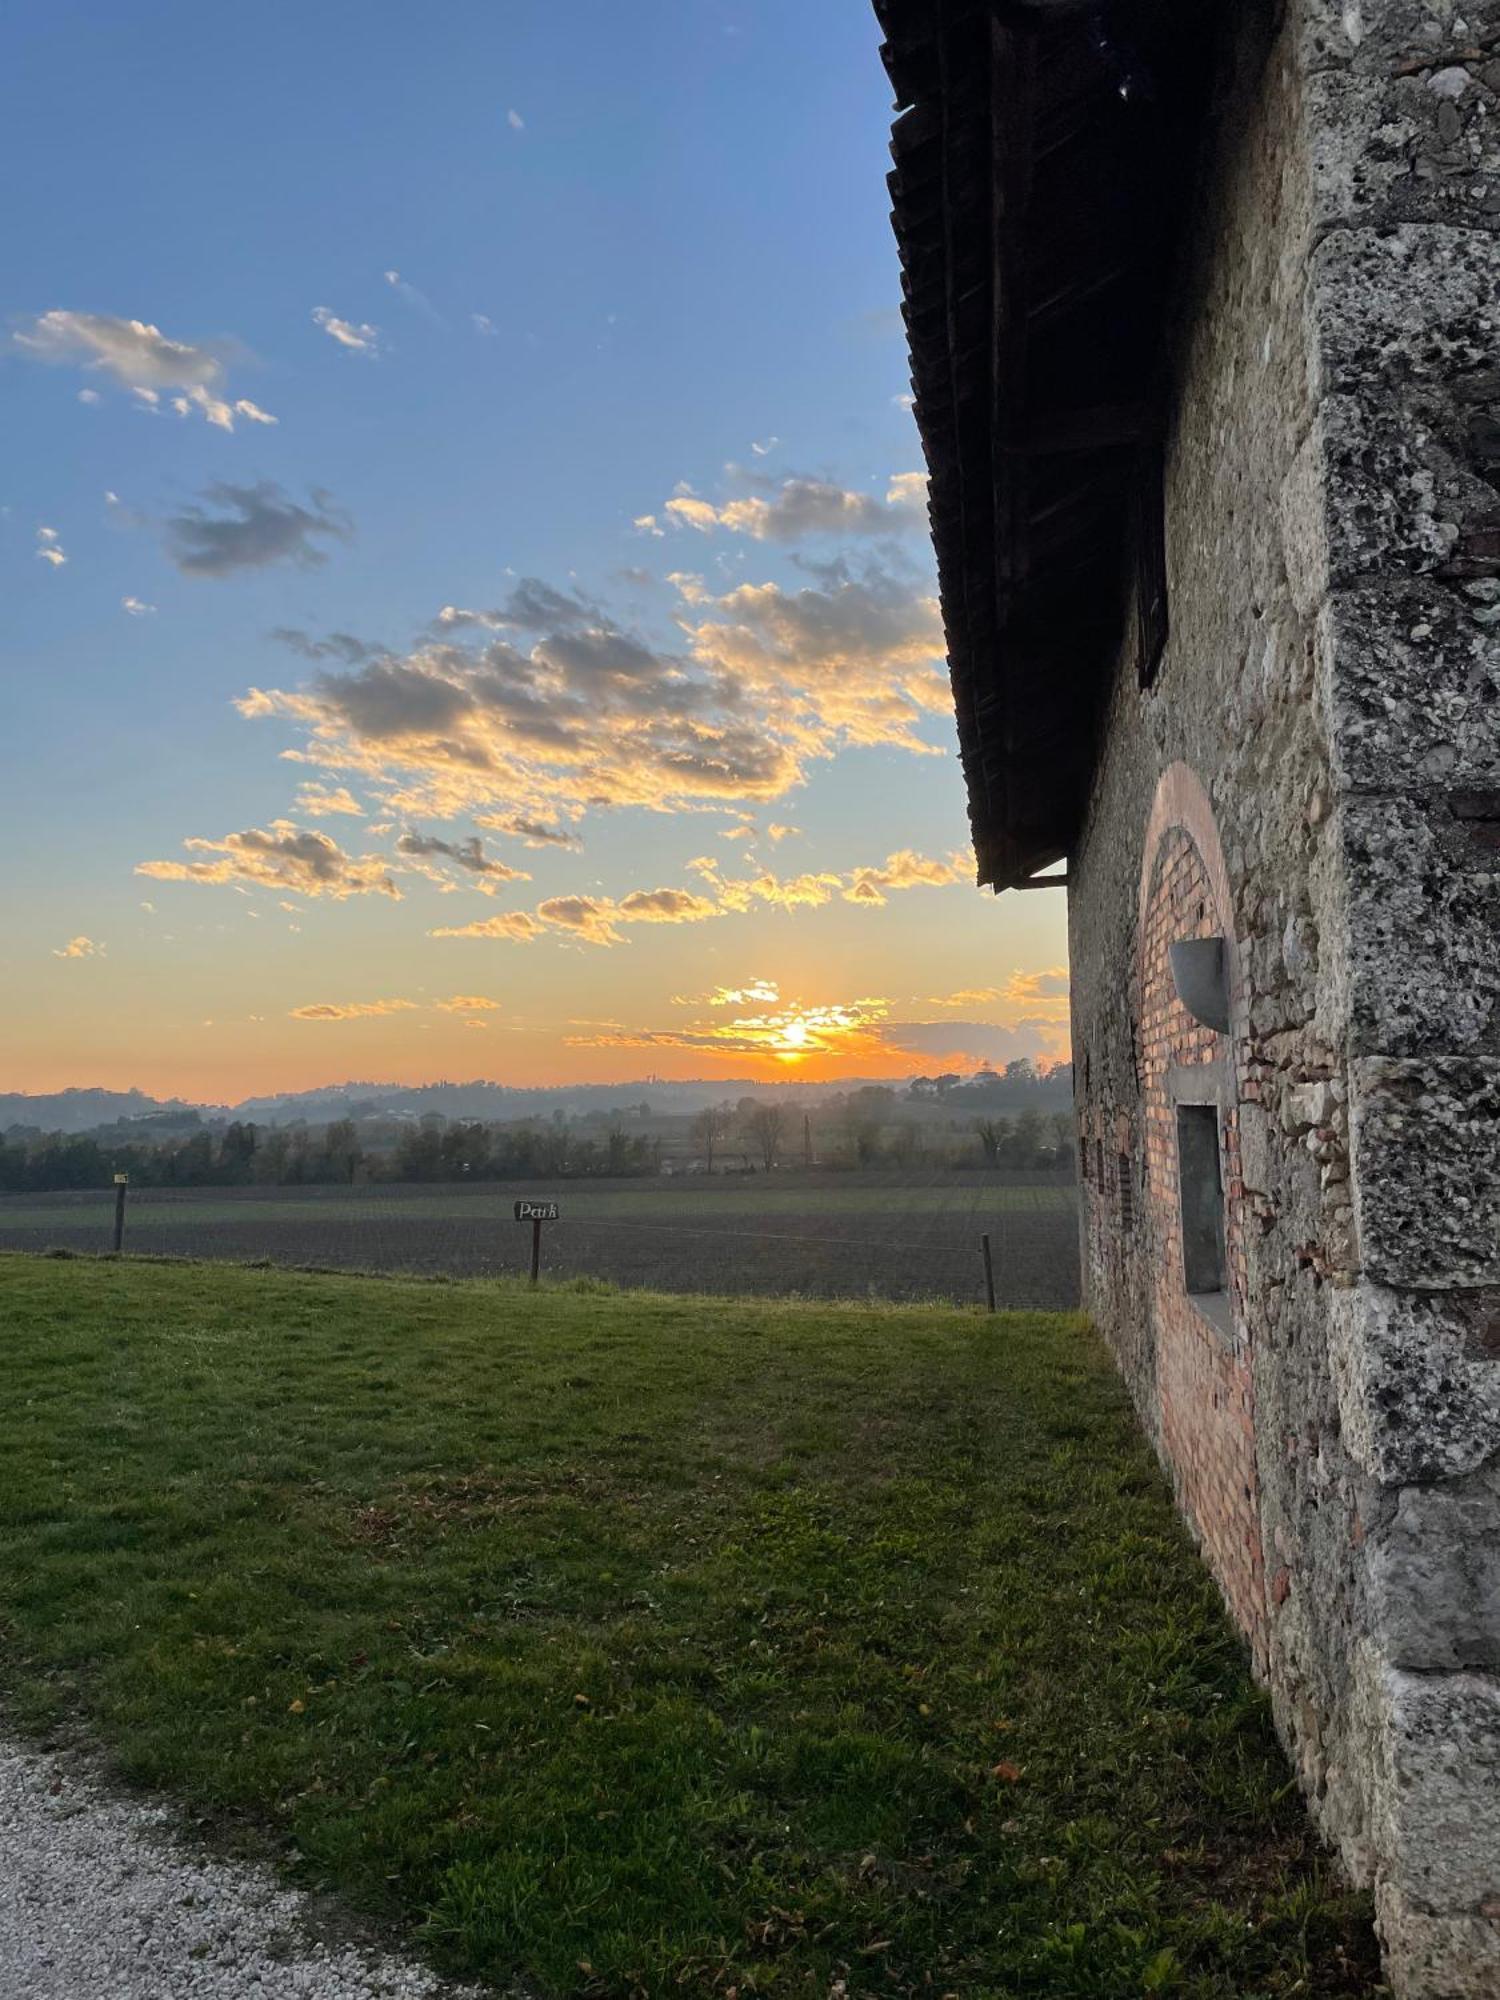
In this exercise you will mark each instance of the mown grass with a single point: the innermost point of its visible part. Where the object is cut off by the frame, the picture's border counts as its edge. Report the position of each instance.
(633, 1645)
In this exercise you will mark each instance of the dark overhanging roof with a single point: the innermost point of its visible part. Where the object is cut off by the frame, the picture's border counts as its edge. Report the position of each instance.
(1043, 156)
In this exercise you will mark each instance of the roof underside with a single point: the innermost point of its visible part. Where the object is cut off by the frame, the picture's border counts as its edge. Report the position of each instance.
(1043, 155)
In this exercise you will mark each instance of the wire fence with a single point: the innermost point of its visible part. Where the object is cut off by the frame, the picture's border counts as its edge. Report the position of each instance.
(822, 1235)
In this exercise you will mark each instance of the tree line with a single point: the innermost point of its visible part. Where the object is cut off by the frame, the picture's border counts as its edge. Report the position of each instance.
(865, 1129)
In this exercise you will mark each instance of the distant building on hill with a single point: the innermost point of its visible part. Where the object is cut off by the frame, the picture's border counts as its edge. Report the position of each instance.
(1204, 312)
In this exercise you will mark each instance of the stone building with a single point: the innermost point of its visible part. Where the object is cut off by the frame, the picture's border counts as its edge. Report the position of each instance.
(1203, 303)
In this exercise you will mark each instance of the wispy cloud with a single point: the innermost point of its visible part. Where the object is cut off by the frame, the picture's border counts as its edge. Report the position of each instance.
(754, 993)
(966, 996)
(319, 801)
(871, 885)
(409, 293)
(137, 607)
(255, 527)
(533, 832)
(282, 856)
(467, 1003)
(219, 412)
(467, 855)
(79, 947)
(515, 121)
(857, 1034)
(337, 646)
(49, 548)
(351, 1010)
(356, 336)
(589, 919)
(789, 1033)
(141, 358)
(517, 926)
(797, 508)
(601, 920)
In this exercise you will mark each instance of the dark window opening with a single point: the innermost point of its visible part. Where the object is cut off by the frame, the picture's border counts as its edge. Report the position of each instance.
(1127, 1195)
(1083, 1159)
(1200, 1186)
(1099, 1181)
(1148, 540)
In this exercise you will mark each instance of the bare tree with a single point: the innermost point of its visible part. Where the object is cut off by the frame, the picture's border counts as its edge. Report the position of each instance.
(707, 1129)
(763, 1127)
(344, 1150)
(991, 1132)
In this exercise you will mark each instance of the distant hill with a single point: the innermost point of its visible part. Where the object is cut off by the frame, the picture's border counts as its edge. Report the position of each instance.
(85, 1110)
(91, 1110)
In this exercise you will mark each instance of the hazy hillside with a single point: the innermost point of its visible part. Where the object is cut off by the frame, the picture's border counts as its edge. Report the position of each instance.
(81, 1110)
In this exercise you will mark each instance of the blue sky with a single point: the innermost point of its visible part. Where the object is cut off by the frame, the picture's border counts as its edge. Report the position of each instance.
(451, 298)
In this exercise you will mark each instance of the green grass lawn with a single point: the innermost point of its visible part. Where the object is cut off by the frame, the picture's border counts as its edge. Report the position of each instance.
(632, 1645)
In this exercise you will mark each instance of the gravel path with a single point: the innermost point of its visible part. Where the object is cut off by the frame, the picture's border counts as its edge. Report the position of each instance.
(99, 1901)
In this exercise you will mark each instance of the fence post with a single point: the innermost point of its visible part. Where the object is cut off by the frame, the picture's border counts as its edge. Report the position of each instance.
(536, 1248)
(989, 1273)
(122, 1182)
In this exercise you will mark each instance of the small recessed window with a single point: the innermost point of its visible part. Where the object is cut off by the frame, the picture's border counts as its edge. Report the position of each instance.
(1201, 1192)
(1125, 1183)
(1149, 552)
(1099, 1181)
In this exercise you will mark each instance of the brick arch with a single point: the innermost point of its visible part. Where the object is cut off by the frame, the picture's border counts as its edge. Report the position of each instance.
(1203, 1365)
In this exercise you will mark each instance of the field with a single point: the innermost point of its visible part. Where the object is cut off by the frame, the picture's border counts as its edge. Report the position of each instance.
(819, 1235)
(631, 1646)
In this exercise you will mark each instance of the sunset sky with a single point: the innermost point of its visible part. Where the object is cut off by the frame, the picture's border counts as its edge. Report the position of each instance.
(468, 603)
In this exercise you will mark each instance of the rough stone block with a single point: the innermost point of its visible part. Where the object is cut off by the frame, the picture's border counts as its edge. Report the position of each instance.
(1377, 35)
(1455, 1958)
(1427, 1169)
(1410, 306)
(1435, 1577)
(1415, 146)
(1424, 923)
(1418, 1380)
(1407, 323)
(1398, 500)
(1438, 1791)
(1414, 686)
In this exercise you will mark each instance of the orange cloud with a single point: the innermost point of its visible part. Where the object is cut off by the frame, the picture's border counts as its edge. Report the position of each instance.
(551, 710)
(1049, 985)
(789, 1036)
(519, 926)
(281, 857)
(352, 1010)
(792, 509)
(597, 919)
(320, 801)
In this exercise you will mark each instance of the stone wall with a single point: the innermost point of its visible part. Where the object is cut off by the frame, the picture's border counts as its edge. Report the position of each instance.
(1331, 691)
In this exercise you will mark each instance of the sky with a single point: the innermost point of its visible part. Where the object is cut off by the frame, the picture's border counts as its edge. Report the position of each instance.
(468, 603)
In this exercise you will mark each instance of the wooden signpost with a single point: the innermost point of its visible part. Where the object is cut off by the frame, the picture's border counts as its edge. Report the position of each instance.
(536, 1213)
(122, 1181)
